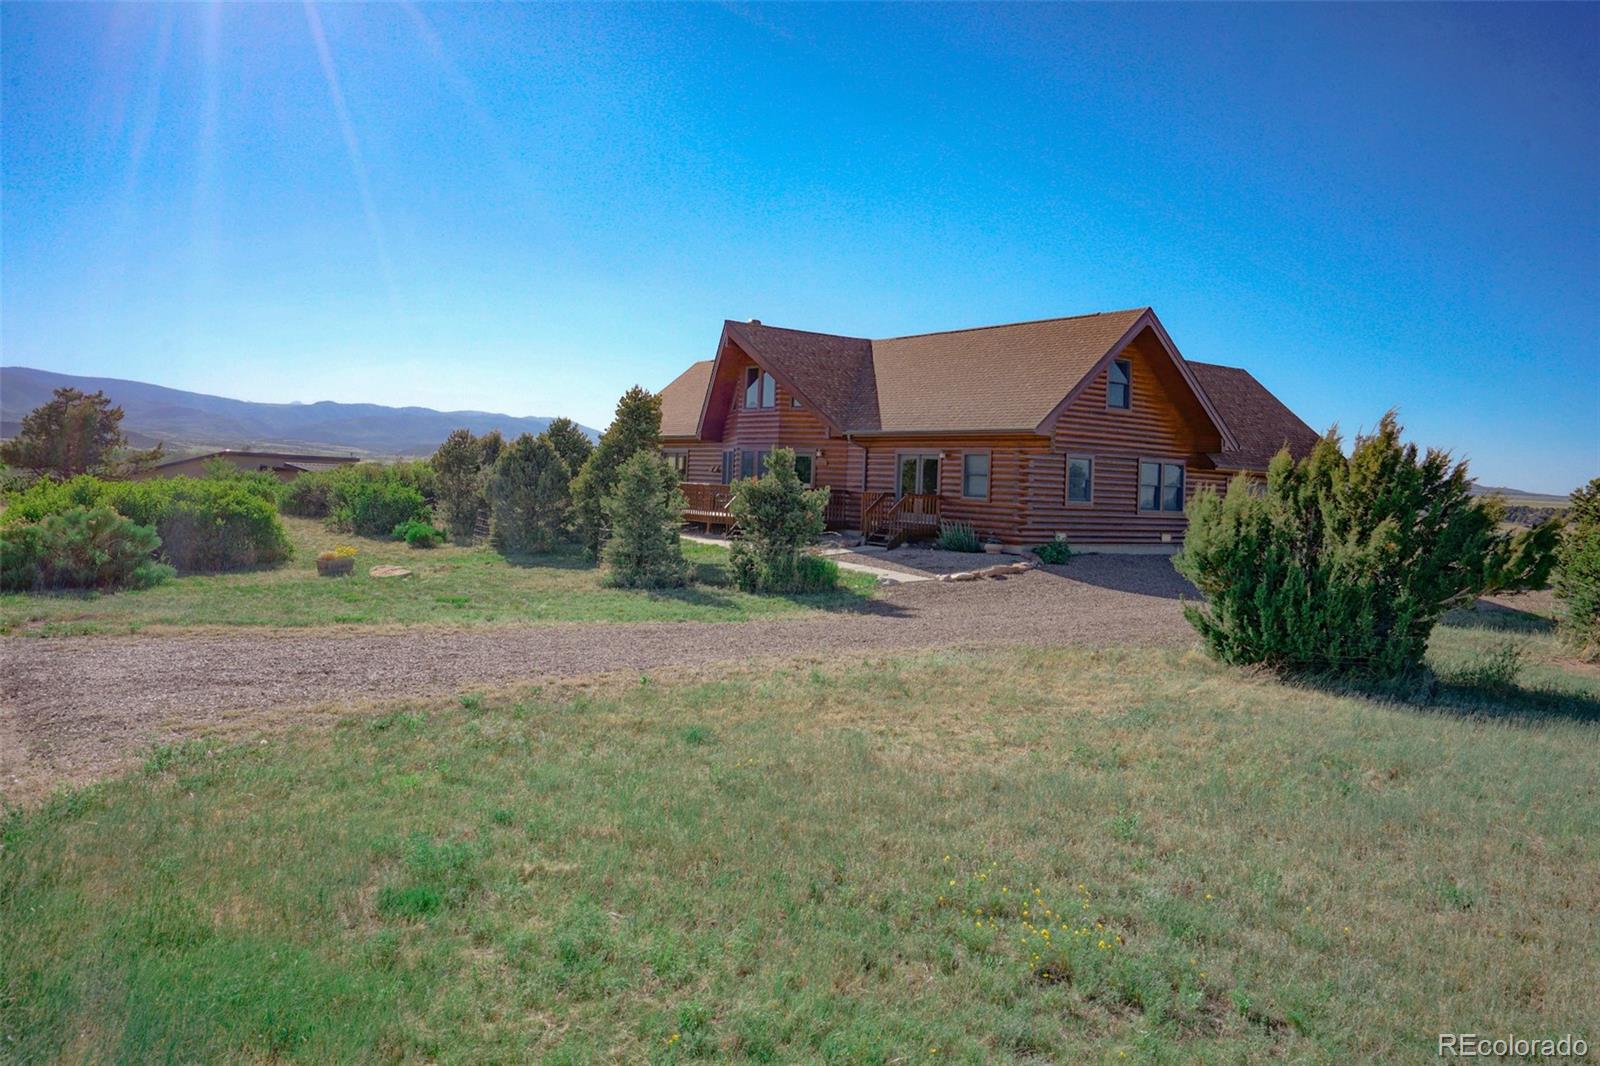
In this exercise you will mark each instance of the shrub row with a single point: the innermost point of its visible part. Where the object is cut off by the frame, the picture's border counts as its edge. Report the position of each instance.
(202, 524)
(368, 499)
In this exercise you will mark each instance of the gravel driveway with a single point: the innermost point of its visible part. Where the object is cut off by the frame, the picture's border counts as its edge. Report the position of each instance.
(75, 708)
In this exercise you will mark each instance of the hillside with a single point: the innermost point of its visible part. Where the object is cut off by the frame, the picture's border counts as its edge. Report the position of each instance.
(1521, 497)
(192, 421)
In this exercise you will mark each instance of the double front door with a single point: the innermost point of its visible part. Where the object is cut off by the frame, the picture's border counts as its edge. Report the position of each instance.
(919, 475)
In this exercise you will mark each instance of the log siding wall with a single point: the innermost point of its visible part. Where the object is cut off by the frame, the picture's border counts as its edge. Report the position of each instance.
(1156, 426)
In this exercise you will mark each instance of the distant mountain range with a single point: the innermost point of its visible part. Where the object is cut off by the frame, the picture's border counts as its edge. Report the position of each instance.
(192, 422)
(1521, 496)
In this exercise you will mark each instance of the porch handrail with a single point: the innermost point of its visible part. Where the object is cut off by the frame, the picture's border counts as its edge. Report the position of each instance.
(703, 501)
(898, 518)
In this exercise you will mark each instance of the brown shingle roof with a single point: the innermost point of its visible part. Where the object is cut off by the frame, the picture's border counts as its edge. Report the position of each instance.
(992, 378)
(1259, 420)
(989, 379)
(681, 400)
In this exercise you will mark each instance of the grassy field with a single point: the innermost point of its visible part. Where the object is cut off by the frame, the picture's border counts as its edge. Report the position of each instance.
(1032, 855)
(448, 585)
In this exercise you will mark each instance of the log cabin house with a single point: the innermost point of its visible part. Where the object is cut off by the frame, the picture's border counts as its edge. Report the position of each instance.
(1093, 427)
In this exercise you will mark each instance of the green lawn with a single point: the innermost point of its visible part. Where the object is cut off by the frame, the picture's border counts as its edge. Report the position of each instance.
(850, 862)
(448, 585)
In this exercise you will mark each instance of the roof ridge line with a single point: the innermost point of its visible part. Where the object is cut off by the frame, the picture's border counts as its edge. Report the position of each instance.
(1024, 322)
(791, 329)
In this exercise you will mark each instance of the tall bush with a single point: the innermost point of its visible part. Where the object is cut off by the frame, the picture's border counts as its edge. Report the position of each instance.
(373, 507)
(778, 518)
(79, 548)
(368, 499)
(1577, 580)
(1344, 565)
(635, 428)
(528, 497)
(310, 495)
(644, 514)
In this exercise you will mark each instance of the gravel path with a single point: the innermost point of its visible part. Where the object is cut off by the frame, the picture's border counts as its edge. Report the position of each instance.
(75, 708)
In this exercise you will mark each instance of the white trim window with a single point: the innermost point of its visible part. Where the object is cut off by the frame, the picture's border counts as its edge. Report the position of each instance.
(1119, 384)
(975, 475)
(1160, 486)
(1080, 479)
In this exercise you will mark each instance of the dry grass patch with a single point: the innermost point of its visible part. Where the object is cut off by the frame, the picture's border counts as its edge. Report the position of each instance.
(1048, 855)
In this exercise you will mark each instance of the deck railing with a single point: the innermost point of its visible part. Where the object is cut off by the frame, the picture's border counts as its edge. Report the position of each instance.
(882, 514)
(845, 508)
(707, 503)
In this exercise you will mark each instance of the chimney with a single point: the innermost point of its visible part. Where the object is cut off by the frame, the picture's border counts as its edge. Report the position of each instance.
(755, 322)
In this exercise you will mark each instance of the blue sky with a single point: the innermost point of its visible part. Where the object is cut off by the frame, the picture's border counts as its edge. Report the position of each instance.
(530, 208)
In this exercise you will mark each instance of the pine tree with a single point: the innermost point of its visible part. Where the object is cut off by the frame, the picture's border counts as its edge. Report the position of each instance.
(571, 442)
(644, 515)
(460, 474)
(1577, 581)
(635, 428)
(75, 433)
(1344, 565)
(528, 497)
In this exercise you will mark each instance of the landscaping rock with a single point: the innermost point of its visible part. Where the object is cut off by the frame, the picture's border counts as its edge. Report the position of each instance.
(388, 571)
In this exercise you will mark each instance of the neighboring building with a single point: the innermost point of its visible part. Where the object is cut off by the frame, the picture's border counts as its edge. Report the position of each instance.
(283, 465)
(1092, 427)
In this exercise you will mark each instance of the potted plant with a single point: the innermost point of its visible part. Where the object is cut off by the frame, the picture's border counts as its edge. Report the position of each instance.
(338, 562)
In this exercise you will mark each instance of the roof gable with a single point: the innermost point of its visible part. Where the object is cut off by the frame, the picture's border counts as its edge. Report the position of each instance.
(831, 373)
(995, 378)
(1261, 423)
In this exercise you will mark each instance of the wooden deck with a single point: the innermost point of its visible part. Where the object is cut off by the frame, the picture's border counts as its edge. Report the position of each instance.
(876, 514)
(707, 504)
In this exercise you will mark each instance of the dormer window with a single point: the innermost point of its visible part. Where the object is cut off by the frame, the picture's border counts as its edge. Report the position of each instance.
(760, 390)
(1119, 384)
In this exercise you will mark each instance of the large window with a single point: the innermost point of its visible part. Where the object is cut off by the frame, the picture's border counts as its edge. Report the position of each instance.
(1119, 384)
(679, 461)
(1080, 479)
(753, 463)
(975, 475)
(804, 468)
(760, 390)
(1160, 486)
(919, 474)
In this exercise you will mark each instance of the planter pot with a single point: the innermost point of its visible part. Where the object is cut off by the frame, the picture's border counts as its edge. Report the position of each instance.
(336, 567)
(994, 547)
